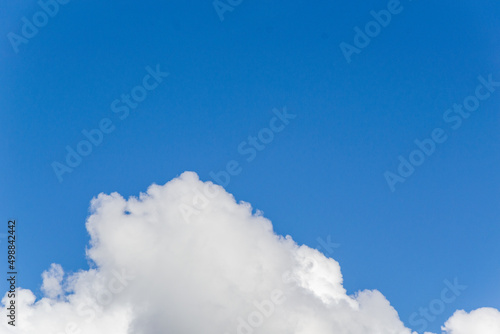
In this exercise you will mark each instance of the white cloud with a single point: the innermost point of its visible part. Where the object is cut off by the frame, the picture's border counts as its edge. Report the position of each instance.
(52, 280)
(222, 271)
(481, 321)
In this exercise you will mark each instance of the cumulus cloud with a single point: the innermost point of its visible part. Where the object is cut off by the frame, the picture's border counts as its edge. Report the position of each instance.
(185, 257)
(481, 321)
(52, 280)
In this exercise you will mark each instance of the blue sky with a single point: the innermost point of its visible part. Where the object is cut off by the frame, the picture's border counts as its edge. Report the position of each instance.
(323, 175)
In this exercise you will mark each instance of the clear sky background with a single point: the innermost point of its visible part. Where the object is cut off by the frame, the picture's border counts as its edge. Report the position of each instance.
(323, 175)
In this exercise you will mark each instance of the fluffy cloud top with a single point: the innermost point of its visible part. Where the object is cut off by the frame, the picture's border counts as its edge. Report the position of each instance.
(481, 321)
(187, 258)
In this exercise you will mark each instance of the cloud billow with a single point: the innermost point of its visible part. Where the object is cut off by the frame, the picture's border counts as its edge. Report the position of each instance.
(224, 271)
